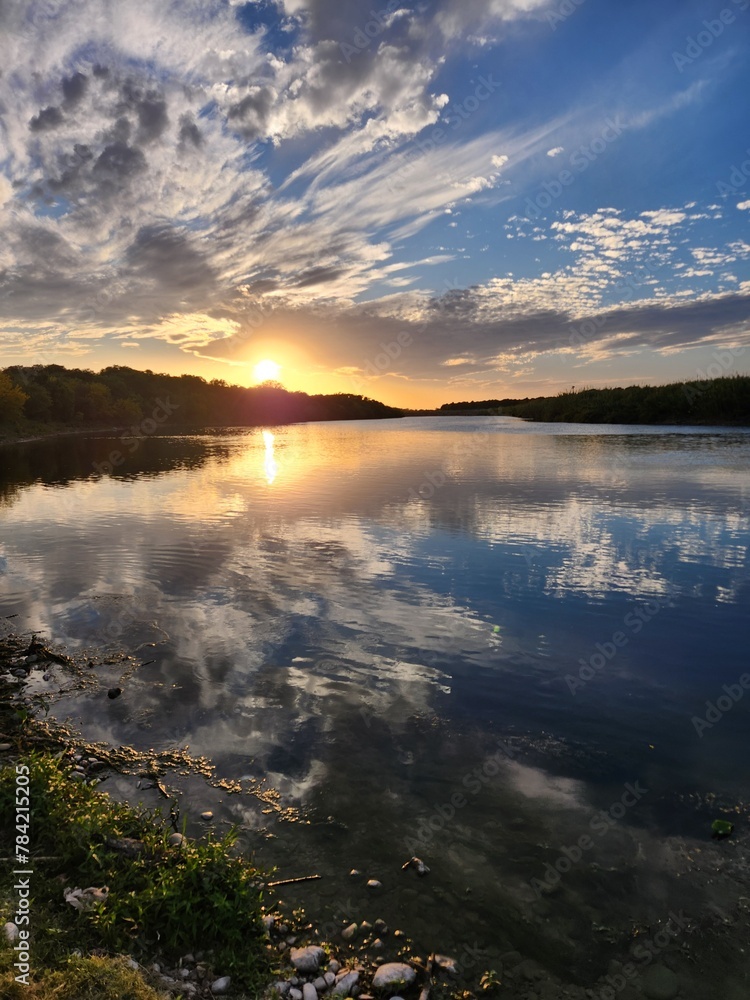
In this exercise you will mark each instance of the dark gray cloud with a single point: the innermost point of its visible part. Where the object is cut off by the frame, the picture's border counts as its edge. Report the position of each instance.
(250, 115)
(318, 276)
(152, 118)
(117, 165)
(74, 87)
(46, 119)
(190, 134)
(163, 255)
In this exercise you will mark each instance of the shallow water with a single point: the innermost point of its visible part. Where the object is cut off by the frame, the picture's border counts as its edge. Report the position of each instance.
(461, 638)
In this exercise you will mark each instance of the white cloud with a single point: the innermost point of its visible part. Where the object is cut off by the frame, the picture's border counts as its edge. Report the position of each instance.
(744, 205)
(499, 161)
(555, 151)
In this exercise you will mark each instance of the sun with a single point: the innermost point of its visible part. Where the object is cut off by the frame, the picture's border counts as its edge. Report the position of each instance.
(266, 371)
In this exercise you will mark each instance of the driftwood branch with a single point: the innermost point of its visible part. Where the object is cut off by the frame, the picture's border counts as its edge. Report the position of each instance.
(291, 881)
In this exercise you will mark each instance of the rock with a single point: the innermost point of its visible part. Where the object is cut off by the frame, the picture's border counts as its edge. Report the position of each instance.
(11, 932)
(114, 693)
(393, 976)
(334, 966)
(345, 983)
(282, 987)
(377, 944)
(221, 985)
(5, 746)
(128, 846)
(381, 927)
(19, 672)
(365, 926)
(295, 994)
(307, 959)
(349, 933)
(330, 976)
(320, 984)
(309, 992)
(417, 864)
(31, 659)
(445, 964)
(77, 776)
(207, 815)
(374, 885)
(268, 922)
(660, 983)
(355, 872)
(175, 840)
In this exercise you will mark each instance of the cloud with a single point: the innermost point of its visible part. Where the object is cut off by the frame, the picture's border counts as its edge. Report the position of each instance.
(744, 205)
(555, 151)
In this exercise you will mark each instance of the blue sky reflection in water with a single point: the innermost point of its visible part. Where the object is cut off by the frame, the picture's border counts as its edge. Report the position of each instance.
(363, 611)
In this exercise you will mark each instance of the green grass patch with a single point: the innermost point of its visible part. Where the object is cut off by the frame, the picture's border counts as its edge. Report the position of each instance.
(94, 978)
(163, 901)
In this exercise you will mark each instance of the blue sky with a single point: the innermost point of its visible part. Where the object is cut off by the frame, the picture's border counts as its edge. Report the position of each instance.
(420, 202)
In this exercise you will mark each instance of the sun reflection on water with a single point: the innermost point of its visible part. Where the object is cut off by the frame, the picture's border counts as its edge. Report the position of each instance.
(269, 463)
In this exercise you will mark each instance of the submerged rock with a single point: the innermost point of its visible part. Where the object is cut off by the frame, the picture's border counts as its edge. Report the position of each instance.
(350, 932)
(660, 983)
(307, 959)
(393, 976)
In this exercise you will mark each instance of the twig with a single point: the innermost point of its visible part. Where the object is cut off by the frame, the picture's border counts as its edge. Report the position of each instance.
(291, 881)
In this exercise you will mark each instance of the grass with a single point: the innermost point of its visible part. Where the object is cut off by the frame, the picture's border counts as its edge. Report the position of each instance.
(93, 978)
(163, 902)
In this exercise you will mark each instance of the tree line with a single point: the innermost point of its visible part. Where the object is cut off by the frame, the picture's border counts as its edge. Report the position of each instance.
(123, 397)
(724, 400)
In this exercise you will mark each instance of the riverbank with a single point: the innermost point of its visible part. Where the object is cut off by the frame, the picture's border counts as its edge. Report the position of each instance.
(709, 402)
(124, 903)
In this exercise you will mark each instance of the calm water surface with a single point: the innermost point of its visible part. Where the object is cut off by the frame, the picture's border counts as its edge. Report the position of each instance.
(452, 637)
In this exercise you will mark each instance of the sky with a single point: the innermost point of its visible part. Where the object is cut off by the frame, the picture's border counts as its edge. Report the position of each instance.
(422, 203)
